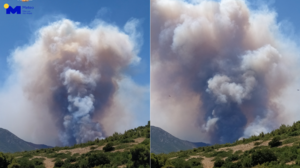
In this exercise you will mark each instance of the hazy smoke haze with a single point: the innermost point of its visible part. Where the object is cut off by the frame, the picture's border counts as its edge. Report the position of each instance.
(220, 71)
(68, 86)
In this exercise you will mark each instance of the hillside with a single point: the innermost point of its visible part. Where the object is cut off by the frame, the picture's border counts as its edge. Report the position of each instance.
(164, 142)
(277, 149)
(11, 143)
(130, 149)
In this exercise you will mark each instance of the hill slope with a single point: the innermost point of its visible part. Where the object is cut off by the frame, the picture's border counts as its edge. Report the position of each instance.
(164, 142)
(11, 143)
(277, 149)
(130, 149)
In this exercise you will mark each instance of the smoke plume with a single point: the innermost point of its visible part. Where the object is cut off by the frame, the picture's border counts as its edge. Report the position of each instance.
(69, 82)
(220, 71)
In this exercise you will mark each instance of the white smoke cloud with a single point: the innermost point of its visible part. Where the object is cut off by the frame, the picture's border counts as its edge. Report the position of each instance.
(67, 83)
(224, 89)
(220, 56)
(210, 124)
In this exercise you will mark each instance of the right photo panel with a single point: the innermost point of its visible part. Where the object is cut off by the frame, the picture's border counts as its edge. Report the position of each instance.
(225, 84)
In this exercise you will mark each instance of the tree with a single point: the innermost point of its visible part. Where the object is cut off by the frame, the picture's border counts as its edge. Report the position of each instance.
(3, 161)
(219, 162)
(25, 163)
(275, 142)
(194, 162)
(263, 156)
(14, 165)
(247, 162)
(139, 155)
(108, 147)
(181, 163)
(59, 163)
(83, 163)
(98, 159)
(154, 161)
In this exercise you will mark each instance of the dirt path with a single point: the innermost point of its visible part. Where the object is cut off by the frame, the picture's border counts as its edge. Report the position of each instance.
(88, 149)
(207, 162)
(289, 144)
(291, 163)
(191, 157)
(47, 162)
(80, 150)
(139, 140)
(243, 147)
(118, 150)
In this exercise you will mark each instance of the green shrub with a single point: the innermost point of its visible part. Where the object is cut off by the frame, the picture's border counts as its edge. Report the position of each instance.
(84, 163)
(296, 133)
(146, 141)
(194, 162)
(108, 147)
(166, 166)
(126, 140)
(139, 155)
(232, 165)
(37, 162)
(263, 156)
(25, 163)
(14, 165)
(181, 163)
(3, 161)
(59, 163)
(232, 157)
(247, 162)
(257, 143)
(219, 162)
(98, 159)
(275, 142)
(183, 155)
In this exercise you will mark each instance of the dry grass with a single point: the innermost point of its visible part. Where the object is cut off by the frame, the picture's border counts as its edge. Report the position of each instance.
(191, 157)
(172, 158)
(243, 147)
(88, 149)
(207, 162)
(289, 144)
(79, 150)
(47, 162)
(139, 140)
(290, 163)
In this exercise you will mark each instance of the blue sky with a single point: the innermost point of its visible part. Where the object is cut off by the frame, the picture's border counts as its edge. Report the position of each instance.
(287, 13)
(18, 30)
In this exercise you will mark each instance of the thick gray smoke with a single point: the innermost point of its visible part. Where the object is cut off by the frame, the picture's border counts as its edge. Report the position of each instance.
(70, 82)
(220, 71)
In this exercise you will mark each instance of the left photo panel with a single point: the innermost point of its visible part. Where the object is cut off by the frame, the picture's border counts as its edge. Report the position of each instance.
(75, 84)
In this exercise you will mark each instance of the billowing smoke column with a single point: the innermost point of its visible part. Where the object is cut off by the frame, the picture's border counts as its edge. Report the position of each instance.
(70, 77)
(220, 71)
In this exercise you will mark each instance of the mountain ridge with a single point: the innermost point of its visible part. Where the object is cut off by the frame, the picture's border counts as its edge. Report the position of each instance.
(10, 143)
(164, 142)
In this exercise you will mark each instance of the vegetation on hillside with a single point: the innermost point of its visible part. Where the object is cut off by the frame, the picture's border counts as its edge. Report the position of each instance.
(277, 149)
(118, 150)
